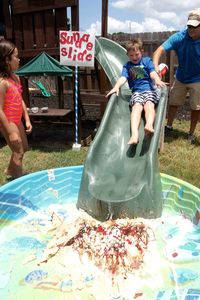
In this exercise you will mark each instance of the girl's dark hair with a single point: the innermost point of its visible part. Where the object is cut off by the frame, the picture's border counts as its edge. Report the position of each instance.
(6, 50)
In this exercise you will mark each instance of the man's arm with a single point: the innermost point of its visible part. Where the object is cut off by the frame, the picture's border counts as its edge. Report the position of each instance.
(156, 57)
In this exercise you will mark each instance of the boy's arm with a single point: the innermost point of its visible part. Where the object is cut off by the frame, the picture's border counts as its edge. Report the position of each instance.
(121, 81)
(155, 77)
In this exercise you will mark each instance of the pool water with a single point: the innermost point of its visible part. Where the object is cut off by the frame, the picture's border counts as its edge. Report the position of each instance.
(170, 269)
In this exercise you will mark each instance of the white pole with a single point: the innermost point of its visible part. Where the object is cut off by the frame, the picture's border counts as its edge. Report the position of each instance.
(76, 145)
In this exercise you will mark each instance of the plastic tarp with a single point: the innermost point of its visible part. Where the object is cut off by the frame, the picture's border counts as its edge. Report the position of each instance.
(44, 65)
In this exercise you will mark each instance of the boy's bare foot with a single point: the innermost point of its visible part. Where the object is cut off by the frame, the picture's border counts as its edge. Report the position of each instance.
(133, 140)
(148, 129)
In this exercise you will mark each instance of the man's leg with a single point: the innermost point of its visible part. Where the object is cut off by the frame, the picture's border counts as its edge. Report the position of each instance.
(176, 98)
(194, 92)
(171, 114)
(195, 117)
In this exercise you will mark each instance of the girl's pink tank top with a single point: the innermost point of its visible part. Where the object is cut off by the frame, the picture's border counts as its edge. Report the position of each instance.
(13, 102)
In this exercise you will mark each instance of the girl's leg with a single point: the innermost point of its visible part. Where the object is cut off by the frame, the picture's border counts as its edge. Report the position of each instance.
(135, 121)
(149, 108)
(15, 165)
(23, 137)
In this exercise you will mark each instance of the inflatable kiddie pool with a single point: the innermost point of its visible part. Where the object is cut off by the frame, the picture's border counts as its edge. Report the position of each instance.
(173, 269)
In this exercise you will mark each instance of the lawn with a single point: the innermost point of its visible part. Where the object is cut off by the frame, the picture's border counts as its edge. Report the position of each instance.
(179, 158)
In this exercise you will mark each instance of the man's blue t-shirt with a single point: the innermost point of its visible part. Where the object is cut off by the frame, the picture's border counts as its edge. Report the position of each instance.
(138, 75)
(188, 52)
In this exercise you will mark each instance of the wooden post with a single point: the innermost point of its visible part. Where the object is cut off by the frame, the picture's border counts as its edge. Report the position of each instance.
(104, 30)
(104, 18)
(25, 90)
(171, 68)
(60, 92)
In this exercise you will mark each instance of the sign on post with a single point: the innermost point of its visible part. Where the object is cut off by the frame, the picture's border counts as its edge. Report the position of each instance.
(77, 48)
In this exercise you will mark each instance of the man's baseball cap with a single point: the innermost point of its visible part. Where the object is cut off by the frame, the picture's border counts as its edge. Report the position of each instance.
(194, 17)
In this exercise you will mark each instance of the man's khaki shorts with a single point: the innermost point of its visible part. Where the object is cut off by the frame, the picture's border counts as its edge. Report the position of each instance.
(179, 91)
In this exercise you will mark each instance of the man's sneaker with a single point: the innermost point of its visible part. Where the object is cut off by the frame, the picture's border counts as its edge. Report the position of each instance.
(191, 138)
(168, 129)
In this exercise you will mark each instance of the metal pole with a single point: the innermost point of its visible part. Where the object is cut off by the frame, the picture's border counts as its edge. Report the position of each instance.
(76, 145)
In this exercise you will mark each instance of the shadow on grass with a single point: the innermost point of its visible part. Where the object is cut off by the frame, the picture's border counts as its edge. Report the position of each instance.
(178, 134)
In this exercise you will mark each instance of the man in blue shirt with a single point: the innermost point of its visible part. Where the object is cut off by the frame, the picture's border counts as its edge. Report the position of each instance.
(186, 44)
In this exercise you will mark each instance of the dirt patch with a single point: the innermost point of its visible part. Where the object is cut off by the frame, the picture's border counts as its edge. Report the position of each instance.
(60, 135)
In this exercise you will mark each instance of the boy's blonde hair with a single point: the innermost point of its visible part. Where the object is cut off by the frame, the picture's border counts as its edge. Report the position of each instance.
(134, 45)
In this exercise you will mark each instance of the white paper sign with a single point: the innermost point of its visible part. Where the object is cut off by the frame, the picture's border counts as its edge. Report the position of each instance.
(76, 48)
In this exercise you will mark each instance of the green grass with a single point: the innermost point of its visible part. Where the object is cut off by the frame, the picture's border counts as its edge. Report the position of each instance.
(179, 158)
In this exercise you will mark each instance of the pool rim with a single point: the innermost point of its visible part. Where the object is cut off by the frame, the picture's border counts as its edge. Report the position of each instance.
(43, 172)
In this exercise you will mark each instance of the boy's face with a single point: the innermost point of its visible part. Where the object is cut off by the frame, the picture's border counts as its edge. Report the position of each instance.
(135, 56)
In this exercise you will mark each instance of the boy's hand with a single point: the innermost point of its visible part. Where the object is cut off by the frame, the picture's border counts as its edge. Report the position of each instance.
(160, 83)
(115, 89)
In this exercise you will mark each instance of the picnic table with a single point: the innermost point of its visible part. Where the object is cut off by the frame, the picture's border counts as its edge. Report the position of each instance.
(51, 112)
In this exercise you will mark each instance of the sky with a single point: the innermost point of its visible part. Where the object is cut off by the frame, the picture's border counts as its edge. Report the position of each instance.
(133, 16)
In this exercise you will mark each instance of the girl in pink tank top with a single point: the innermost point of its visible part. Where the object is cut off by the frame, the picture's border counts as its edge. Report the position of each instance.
(13, 102)
(12, 108)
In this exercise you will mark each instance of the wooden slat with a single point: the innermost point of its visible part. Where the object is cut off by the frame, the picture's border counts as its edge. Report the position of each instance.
(17, 26)
(39, 29)
(49, 21)
(61, 18)
(75, 18)
(7, 19)
(60, 92)
(61, 22)
(28, 39)
(27, 6)
(89, 78)
(33, 52)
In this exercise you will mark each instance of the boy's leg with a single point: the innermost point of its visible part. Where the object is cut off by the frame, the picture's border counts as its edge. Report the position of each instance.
(149, 108)
(135, 121)
(15, 165)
